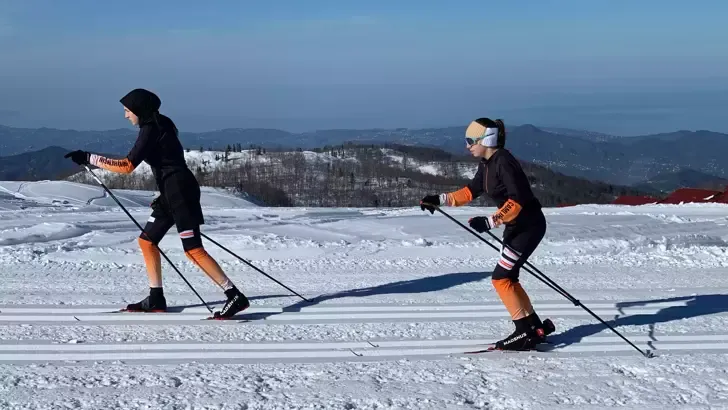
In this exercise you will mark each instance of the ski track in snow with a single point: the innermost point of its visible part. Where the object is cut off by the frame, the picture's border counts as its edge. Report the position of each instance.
(398, 296)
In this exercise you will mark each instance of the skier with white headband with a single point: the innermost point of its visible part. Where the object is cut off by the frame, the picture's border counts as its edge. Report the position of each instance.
(501, 177)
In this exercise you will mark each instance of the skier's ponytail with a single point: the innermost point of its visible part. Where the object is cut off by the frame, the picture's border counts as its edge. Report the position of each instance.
(501, 132)
(500, 139)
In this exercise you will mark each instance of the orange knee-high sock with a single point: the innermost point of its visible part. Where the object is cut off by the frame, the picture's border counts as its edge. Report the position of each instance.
(153, 261)
(204, 261)
(514, 298)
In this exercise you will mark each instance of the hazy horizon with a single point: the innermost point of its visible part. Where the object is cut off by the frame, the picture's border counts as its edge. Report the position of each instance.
(617, 67)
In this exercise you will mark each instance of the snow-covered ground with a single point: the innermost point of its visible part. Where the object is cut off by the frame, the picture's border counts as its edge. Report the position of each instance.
(398, 295)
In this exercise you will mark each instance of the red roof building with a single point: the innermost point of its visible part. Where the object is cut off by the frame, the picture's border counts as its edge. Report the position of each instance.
(635, 200)
(688, 195)
(721, 198)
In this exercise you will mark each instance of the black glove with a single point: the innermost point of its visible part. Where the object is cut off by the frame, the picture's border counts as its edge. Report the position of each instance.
(427, 203)
(158, 203)
(79, 157)
(482, 223)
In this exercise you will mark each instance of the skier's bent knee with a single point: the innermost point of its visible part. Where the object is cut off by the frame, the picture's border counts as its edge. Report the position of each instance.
(145, 243)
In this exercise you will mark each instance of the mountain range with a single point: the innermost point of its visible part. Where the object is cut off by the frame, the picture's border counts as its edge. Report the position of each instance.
(354, 175)
(669, 181)
(584, 154)
(47, 163)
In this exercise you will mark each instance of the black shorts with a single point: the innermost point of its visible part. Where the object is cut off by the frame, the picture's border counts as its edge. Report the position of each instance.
(180, 194)
(161, 221)
(178, 205)
(519, 242)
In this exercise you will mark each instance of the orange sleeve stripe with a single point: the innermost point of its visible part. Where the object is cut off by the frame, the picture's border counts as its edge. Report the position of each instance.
(122, 166)
(460, 197)
(508, 212)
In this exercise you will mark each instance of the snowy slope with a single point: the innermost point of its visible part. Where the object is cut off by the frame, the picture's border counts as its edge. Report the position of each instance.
(398, 296)
(464, 170)
(212, 160)
(18, 195)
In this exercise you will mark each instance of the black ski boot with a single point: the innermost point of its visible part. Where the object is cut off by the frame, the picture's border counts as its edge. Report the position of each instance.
(154, 303)
(236, 303)
(529, 332)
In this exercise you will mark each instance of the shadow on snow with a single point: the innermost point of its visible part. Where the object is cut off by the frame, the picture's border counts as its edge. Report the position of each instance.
(699, 305)
(413, 286)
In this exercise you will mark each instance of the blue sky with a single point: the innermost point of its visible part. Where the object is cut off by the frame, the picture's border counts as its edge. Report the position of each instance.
(316, 64)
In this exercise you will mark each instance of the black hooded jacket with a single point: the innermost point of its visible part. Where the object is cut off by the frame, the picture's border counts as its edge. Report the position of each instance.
(158, 142)
(158, 145)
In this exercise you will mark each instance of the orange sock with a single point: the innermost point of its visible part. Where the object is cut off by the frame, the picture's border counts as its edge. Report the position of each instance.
(153, 261)
(514, 298)
(204, 261)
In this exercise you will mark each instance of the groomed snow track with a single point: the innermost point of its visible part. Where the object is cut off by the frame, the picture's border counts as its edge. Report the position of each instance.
(320, 351)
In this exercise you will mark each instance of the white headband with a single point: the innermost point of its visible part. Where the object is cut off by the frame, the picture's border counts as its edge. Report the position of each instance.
(487, 136)
(491, 138)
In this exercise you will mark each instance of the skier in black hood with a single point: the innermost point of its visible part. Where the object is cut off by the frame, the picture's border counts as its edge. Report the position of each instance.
(178, 203)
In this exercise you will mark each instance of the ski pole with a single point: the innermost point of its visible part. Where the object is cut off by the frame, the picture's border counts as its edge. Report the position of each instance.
(253, 266)
(555, 287)
(548, 282)
(543, 279)
(145, 234)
